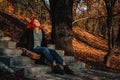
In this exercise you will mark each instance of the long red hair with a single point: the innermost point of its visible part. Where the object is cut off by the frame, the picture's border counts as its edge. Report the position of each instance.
(31, 24)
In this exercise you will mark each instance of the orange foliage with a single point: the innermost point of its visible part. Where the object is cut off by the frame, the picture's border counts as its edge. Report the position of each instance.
(10, 7)
(47, 27)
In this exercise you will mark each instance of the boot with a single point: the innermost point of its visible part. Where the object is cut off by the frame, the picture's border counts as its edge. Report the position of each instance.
(57, 69)
(67, 70)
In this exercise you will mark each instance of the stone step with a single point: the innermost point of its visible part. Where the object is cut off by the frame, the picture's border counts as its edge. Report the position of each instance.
(89, 74)
(77, 66)
(16, 60)
(86, 74)
(5, 39)
(37, 70)
(46, 77)
(33, 70)
(10, 51)
(69, 59)
(1, 34)
(102, 74)
(55, 77)
(60, 52)
(22, 60)
(7, 44)
(51, 46)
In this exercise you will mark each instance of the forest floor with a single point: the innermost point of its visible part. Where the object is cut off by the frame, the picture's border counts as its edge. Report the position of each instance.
(88, 48)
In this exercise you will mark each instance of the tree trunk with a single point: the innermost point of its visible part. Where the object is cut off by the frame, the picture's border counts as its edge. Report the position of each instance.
(118, 36)
(109, 7)
(61, 15)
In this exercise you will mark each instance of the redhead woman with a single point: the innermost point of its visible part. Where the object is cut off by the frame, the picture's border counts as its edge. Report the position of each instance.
(33, 39)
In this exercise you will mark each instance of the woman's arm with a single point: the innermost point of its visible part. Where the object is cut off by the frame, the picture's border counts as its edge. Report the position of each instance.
(23, 40)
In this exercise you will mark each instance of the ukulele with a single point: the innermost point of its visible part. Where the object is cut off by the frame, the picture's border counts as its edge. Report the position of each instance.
(30, 54)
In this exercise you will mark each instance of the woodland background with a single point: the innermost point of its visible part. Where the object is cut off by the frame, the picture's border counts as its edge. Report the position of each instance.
(90, 31)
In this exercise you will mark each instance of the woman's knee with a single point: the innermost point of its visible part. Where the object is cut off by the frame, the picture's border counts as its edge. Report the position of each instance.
(45, 49)
(52, 50)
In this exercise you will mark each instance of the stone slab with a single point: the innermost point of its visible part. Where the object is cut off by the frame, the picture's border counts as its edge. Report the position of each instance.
(77, 66)
(16, 60)
(51, 46)
(37, 70)
(1, 34)
(10, 52)
(7, 44)
(69, 59)
(60, 52)
(5, 39)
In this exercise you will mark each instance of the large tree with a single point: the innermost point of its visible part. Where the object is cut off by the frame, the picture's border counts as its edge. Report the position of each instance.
(61, 16)
(109, 7)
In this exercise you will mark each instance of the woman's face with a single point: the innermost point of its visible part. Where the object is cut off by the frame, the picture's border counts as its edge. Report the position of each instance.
(36, 23)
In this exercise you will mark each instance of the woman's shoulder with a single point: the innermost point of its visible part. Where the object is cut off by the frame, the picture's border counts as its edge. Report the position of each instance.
(27, 29)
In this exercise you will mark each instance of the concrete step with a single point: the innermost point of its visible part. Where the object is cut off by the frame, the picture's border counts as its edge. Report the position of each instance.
(1, 34)
(46, 77)
(89, 74)
(5, 39)
(22, 60)
(72, 77)
(76, 66)
(10, 51)
(16, 60)
(69, 59)
(51, 46)
(102, 74)
(55, 77)
(60, 52)
(7, 44)
(84, 74)
(37, 70)
(42, 69)
(33, 70)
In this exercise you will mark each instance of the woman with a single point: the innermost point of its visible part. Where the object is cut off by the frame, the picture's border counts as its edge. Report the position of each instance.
(33, 39)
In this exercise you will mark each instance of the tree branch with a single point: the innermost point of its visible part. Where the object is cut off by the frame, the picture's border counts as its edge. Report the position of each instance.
(48, 9)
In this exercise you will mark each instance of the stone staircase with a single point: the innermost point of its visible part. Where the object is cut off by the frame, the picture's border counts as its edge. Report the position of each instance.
(11, 56)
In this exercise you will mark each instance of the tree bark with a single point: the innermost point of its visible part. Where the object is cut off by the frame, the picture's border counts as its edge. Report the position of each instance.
(61, 15)
(109, 7)
(90, 39)
(118, 36)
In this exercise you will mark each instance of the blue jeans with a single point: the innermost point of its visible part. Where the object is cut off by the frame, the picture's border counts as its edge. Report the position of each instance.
(50, 54)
